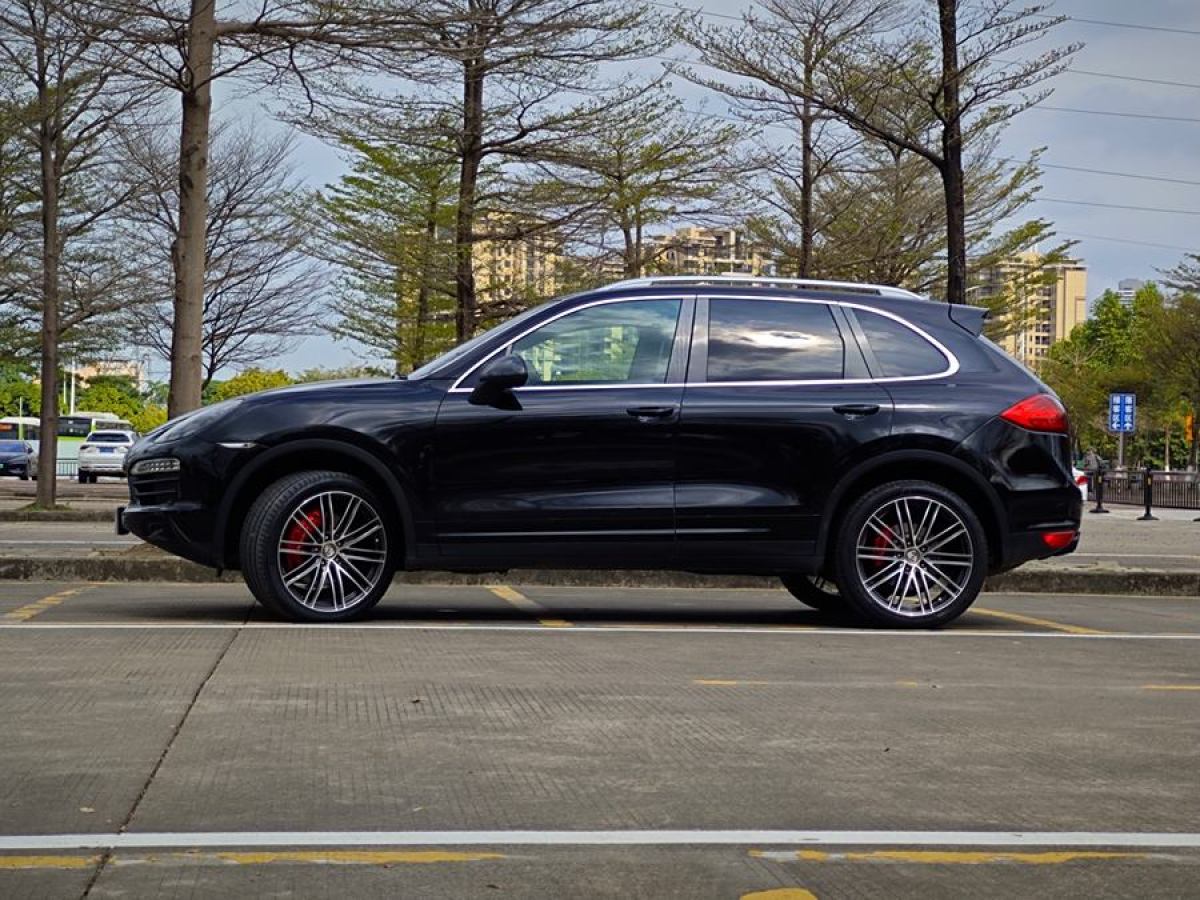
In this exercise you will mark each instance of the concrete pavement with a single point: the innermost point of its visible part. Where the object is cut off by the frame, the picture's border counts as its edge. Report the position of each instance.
(1043, 745)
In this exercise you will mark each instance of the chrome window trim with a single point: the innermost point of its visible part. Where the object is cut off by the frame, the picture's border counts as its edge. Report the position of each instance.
(952, 363)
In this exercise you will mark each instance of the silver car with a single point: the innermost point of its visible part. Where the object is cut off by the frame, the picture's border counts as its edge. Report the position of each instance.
(103, 453)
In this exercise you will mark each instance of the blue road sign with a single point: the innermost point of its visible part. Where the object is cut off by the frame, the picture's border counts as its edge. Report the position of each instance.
(1122, 412)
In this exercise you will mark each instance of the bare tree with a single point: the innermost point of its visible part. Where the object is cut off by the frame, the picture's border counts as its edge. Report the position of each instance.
(501, 81)
(185, 46)
(71, 104)
(929, 88)
(262, 291)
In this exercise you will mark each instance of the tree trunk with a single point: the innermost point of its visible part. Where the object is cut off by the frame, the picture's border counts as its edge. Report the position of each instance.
(952, 157)
(1194, 452)
(806, 166)
(188, 252)
(464, 229)
(426, 276)
(48, 446)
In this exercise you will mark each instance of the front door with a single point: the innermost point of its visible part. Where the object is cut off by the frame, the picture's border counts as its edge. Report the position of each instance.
(578, 466)
(778, 405)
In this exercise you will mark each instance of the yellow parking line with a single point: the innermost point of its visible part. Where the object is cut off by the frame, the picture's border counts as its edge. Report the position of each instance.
(253, 858)
(523, 603)
(1171, 687)
(48, 862)
(780, 894)
(948, 857)
(27, 612)
(1040, 623)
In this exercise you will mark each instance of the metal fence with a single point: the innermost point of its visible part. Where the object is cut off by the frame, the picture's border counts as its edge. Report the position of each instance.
(1171, 490)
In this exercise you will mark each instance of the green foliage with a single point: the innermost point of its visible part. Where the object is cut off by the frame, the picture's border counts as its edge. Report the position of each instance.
(388, 226)
(1151, 348)
(345, 372)
(250, 381)
(18, 396)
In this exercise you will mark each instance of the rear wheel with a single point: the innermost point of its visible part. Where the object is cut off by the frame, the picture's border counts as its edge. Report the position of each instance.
(816, 591)
(911, 554)
(315, 547)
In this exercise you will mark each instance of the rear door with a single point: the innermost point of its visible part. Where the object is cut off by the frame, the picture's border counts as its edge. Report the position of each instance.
(778, 403)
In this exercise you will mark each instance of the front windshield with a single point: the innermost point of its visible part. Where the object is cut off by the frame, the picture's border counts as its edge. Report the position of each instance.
(11, 447)
(432, 367)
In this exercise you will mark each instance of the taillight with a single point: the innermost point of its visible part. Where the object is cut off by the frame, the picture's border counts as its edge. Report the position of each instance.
(1041, 412)
(1058, 540)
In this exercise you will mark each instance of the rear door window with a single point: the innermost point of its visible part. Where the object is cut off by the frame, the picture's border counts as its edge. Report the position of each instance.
(773, 340)
(899, 350)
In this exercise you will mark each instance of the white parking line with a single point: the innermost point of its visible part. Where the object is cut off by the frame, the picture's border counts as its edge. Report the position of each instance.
(778, 630)
(607, 838)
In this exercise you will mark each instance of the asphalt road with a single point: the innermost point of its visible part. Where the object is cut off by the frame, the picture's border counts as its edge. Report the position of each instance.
(545, 742)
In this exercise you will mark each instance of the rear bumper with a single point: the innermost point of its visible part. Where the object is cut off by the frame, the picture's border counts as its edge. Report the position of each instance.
(1025, 546)
(103, 466)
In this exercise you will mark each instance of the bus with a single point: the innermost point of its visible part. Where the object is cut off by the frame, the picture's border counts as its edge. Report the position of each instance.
(21, 428)
(73, 429)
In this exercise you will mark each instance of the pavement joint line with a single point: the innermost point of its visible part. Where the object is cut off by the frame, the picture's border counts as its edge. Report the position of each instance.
(598, 629)
(523, 603)
(722, 682)
(952, 857)
(29, 610)
(158, 763)
(752, 838)
(1031, 620)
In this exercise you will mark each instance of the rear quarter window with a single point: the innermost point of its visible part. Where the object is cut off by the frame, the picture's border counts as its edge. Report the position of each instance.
(900, 351)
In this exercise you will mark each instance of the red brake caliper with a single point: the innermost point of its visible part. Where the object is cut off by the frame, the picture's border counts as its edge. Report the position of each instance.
(299, 534)
(881, 543)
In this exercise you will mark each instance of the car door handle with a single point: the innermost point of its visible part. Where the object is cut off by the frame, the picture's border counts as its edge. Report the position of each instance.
(646, 413)
(856, 410)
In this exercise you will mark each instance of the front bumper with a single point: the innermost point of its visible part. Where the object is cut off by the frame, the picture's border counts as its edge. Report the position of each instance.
(182, 528)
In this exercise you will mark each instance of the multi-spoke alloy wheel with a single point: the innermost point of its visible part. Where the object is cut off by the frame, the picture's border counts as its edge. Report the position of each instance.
(315, 547)
(911, 553)
(333, 551)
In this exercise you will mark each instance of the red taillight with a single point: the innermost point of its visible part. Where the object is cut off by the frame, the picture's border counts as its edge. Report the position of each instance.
(1041, 412)
(1057, 540)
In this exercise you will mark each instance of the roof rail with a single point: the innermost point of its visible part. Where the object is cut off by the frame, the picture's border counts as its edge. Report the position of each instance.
(802, 284)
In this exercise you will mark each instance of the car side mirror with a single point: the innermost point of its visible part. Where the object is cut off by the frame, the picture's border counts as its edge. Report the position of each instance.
(498, 377)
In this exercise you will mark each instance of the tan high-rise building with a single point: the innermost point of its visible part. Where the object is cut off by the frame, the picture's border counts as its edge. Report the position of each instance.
(527, 268)
(707, 251)
(1049, 307)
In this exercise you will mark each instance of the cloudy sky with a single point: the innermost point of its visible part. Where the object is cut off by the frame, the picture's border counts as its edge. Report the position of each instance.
(1115, 241)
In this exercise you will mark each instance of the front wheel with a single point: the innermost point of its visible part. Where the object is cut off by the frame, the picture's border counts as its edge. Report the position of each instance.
(910, 554)
(815, 591)
(315, 547)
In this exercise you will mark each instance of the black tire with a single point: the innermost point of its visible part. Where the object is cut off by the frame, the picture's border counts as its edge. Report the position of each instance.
(83, 479)
(24, 476)
(815, 591)
(280, 531)
(939, 565)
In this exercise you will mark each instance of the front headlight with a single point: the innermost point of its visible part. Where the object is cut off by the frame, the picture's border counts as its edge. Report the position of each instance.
(156, 466)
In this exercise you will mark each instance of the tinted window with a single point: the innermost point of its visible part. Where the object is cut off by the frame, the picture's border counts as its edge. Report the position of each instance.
(900, 350)
(772, 340)
(108, 437)
(12, 447)
(617, 343)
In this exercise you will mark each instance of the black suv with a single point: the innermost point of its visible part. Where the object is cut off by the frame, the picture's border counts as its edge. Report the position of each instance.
(863, 443)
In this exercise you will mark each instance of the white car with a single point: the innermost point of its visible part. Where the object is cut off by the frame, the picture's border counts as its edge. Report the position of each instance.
(103, 453)
(1081, 480)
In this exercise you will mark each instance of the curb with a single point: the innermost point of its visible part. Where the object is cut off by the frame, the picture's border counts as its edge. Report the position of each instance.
(168, 569)
(59, 515)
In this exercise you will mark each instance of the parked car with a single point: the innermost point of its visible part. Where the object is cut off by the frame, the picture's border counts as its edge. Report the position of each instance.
(863, 443)
(1081, 481)
(18, 458)
(103, 453)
